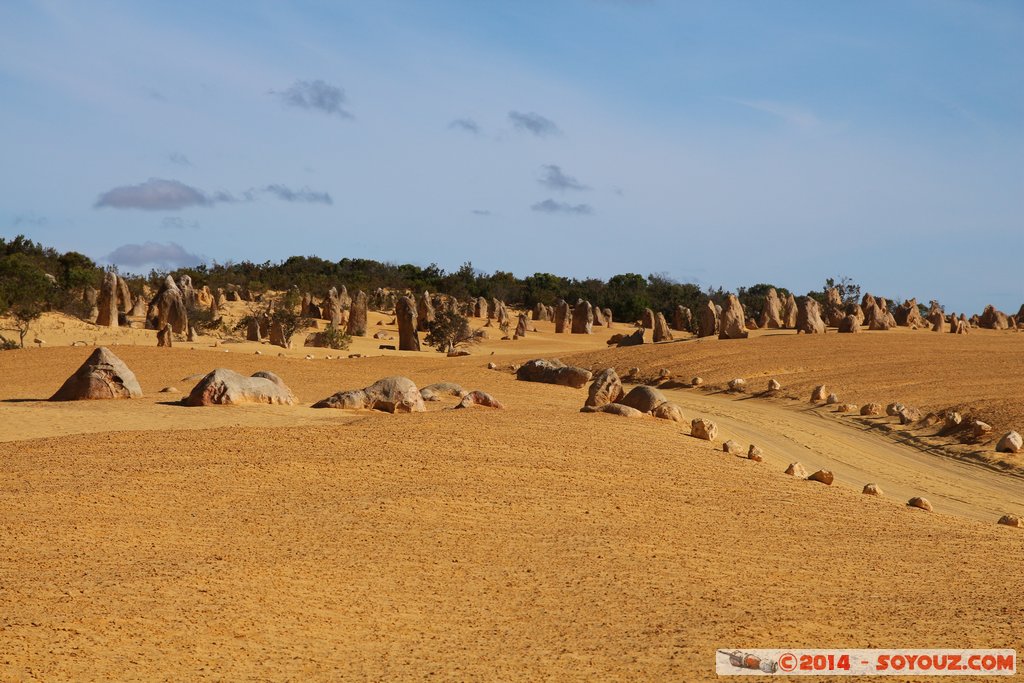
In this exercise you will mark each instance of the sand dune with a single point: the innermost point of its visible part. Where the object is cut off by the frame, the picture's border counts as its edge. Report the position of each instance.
(534, 542)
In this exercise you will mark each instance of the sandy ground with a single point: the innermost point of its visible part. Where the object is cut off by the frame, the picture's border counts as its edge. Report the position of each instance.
(141, 540)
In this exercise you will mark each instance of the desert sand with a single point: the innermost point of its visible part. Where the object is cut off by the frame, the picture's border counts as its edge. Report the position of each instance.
(144, 540)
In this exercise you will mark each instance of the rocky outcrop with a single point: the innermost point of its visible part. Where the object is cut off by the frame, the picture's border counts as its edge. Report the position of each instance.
(107, 316)
(634, 339)
(103, 375)
(553, 371)
(227, 387)
(661, 331)
(991, 319)
(479, 398)
(389, 395)
(168, 308)
(424, 312)
(644, 399)
(563, 317)
(808, 319)
(682, 319)
(849, 325)
(908, 314)
(582, 318)
(405, 314)
(708, 324)
(789, 313)
(731, 323)
(771, 316)
(647, 319)
(357, 315)
(606, 388)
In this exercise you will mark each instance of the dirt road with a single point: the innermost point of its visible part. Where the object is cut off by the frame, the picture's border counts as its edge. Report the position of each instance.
(856, 454)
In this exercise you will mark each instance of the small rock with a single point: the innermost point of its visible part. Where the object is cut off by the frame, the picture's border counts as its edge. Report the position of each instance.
(738, 384)
(922, 503)
(1010, 443)
(664, 374)
(258, 353)
(703, 429)
(818, 394)
(1010, 520)
(492, 366)
(669, 411)
(871, 409)
(169, 390)
(823, 476)
(796, 470)
(871, 490)
(774, 385)
(309, 357)
(847, 408)
(909, 415)
(893, 409)
(980, 429)
(697, 381)
(632, 373)
(732, 447)
(754, 453)
(953, 419)
(832, 399)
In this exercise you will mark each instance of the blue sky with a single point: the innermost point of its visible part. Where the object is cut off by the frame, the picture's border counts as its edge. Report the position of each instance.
(727, 143)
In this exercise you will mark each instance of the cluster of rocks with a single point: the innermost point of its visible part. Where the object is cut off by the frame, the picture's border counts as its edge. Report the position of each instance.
(400, 395)
(1011, 442)
(606, 395)
(553, 371)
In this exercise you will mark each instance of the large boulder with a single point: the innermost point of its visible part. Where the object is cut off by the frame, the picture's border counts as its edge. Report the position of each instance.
(661, 331)
(390, 395)
(613, 409)
(731, 324)
(771, 316)
(583, 318)
(634, 339)
(808, 319)
(849, 325)
(227, 387)
(405, 314)
(645, 399)
(647, 319)
(553, 371)
(701, 428)
(599, 318)
(1010, 443)
(708, 324)
(103, 375)
(606, 388)
(479, 398)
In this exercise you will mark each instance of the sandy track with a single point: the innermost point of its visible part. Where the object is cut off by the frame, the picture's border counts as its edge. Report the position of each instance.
(856, 455)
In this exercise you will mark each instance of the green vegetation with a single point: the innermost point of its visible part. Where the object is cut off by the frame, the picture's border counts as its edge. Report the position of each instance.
(449, 331)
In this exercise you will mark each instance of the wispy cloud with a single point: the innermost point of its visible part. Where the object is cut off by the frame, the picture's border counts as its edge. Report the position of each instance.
(318, 95)
(29, 220)
(551, 206)
(304, 195)
(481, 212)
(467, 125)
(178, 223)
(169, 255)
(554, 178)
(157, 194)
(791, 114)
(534, 123)
(179, 159)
